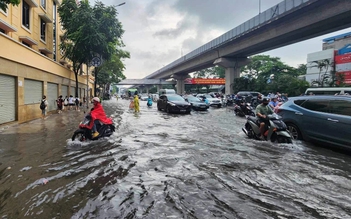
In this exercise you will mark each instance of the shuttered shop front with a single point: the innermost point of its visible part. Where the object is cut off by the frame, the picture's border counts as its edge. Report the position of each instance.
(8, 99)
(64, 91)
(52, 96)
(33, 91)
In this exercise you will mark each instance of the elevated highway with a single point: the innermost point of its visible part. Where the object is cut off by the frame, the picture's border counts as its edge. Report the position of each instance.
(288, 22)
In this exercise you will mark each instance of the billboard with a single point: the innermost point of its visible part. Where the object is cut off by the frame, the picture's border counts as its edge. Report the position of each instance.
(342, 59)
(205, 81)
(346, 76)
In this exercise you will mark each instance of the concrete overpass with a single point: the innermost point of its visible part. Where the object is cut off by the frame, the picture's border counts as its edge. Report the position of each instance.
(288, 22)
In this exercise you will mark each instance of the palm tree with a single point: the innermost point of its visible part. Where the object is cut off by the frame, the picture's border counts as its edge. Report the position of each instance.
(322, 64)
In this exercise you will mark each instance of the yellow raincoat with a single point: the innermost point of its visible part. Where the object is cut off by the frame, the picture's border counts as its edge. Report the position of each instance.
(136, 103)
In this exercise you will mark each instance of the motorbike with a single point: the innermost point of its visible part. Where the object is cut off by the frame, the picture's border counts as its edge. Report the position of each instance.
(275, 132)
(243, 108)
(84, 133)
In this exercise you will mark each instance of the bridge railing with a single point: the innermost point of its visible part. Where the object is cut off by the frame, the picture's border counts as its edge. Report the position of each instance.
(244, 28)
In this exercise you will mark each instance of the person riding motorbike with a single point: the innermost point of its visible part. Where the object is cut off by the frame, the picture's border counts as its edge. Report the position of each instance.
(262, 111)
(97, 114)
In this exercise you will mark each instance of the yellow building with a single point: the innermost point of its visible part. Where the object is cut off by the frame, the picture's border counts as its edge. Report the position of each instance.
(31, 63)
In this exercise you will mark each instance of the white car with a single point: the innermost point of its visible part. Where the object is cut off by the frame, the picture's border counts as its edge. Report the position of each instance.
(213, 101)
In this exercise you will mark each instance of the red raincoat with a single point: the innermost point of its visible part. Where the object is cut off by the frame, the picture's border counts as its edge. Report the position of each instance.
(99, 113)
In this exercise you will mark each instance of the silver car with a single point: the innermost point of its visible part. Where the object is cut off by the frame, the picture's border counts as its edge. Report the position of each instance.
(322, 119)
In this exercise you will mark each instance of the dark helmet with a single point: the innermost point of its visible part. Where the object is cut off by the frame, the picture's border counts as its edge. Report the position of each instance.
(265, 100)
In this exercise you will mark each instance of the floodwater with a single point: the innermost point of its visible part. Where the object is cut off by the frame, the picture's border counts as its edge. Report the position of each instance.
(166, 166)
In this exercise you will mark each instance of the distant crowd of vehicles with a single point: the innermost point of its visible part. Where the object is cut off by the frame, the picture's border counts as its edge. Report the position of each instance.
(321, 115)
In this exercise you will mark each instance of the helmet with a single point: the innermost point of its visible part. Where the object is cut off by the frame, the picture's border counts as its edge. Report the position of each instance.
(96, 99)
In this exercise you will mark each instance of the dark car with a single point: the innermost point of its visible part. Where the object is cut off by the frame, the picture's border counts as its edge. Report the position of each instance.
(250, 97)
(322, 119)
(196, 103)
(173, 103)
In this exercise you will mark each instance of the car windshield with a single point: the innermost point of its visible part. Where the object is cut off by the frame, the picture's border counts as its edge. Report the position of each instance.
(193, 99)
(175, 98)
(207, 96)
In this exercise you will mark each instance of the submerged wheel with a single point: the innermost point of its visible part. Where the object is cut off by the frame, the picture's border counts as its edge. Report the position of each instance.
(294, 131)
(80, 135)
(282, 139)
(158, 108)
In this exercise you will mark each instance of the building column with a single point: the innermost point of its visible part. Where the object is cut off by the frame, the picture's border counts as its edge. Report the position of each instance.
(232, 70)
(180, 83)
(159, 87)
(147, 89)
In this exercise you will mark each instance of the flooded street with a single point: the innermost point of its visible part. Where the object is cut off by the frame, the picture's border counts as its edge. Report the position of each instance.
(158, 165)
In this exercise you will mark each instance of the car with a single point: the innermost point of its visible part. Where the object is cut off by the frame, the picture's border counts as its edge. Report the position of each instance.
(173, 103)
(144, 97)
(213, 101)
(250, 97)
(323, 119)
(196, 103)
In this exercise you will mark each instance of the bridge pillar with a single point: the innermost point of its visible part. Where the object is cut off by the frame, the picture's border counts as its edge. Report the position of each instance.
(180, 83)
(147, 89)
(232, 70)
(159, 87)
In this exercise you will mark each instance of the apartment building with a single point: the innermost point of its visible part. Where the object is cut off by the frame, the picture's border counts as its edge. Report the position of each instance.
(31, 63)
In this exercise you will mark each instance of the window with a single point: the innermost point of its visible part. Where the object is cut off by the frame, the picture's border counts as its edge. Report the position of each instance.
(25, 14)
(299, 102)
(42, 30)
(341, 107)
(2, 31)
(43, 3)
(316, 105)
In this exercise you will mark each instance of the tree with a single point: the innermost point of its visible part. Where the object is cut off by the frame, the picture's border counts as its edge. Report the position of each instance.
(326, 77)
(4, 3)
(269, 74)
(89, 32)
(111, 71)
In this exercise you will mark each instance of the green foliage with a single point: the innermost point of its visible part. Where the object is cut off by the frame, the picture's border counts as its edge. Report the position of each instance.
(269, 74)
(212, 72)
(323, 77)
(4, 4)
(89, 31)
(111, 71)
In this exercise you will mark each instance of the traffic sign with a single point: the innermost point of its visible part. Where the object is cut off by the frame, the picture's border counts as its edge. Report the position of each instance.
(96, 61)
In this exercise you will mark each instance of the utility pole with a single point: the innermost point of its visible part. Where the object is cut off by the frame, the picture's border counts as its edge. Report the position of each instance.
(259, 6)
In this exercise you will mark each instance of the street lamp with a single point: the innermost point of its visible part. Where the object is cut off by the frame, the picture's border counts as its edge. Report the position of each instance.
(120, 4)
(259, 6)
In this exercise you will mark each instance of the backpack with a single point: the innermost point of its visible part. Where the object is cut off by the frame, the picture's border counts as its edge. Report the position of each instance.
(42, 105)
(77, 101)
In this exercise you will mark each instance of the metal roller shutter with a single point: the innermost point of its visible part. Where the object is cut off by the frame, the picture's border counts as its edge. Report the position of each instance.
(73, 92)
(33, 91)
(8, 99)
(64, 91)
(52, 96)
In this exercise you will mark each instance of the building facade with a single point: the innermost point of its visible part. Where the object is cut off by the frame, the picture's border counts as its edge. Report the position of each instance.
(337, 50)
(31, 63)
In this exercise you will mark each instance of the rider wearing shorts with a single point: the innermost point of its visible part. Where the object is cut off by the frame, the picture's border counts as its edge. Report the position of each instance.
(262, 111)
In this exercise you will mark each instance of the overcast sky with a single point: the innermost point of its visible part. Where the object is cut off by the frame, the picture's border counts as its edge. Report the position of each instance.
(158, 32)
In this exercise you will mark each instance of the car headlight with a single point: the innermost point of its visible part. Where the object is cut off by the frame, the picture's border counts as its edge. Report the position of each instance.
(172, 104)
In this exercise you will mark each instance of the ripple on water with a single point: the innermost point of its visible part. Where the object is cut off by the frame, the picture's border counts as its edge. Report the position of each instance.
(182, 166)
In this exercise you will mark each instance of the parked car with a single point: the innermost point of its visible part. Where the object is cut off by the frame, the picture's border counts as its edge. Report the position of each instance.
(173, 103)
(323, 119)
(213, 101)
(196, 103)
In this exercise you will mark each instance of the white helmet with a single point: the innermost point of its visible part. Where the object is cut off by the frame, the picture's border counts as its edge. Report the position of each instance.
(96, 99)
